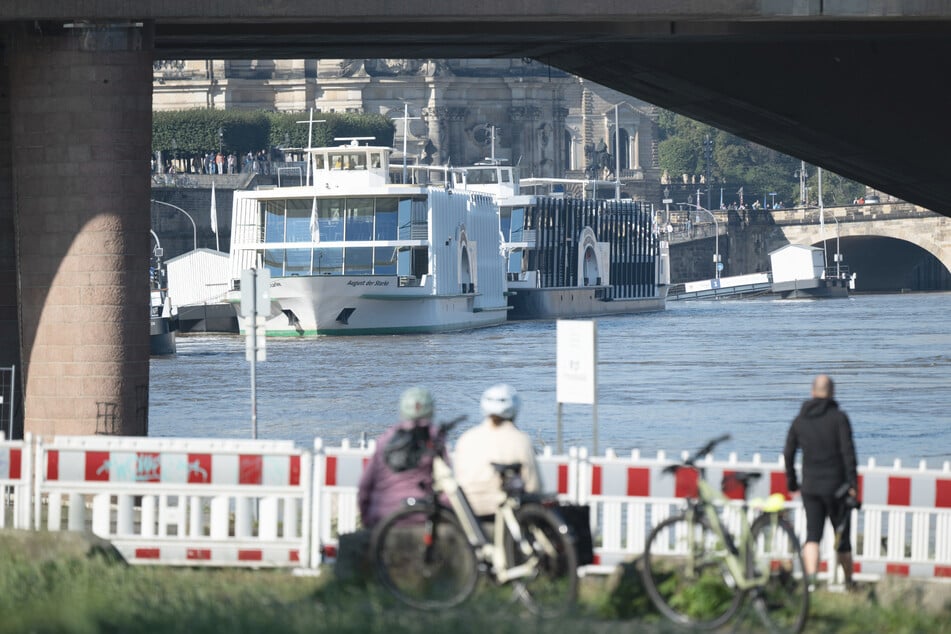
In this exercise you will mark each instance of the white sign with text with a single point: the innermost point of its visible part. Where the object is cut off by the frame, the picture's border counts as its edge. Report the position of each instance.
(576, 363)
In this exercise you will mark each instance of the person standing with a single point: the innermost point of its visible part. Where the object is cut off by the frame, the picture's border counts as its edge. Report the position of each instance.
(495, 440)
(382, 488)
(824, 434)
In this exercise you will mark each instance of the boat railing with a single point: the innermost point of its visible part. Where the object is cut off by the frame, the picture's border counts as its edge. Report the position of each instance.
(836, 272)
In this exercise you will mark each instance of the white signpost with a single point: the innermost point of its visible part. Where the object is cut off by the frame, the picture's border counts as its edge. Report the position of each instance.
(255, 308)
(576, 369)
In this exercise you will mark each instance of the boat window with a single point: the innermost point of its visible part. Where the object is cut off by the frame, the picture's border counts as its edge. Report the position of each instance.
(297, 262)
(330, 213)
(376, 159)
(505, 223)
(516, 230)
(384, 261)
(420, 261)
(298, 220)
(405, 221)
(273, 220)
(318, 161)
(515, 262)
(358, 261)
(386, 218)
(336, 161)
(506, 176)
(328, 261)
(404, 262)
(274, 262)
(359, 219)
(357, 161)
(481, 176)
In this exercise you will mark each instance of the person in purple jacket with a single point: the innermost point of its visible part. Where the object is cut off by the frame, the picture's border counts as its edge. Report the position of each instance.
(824, 434)
(383, 488)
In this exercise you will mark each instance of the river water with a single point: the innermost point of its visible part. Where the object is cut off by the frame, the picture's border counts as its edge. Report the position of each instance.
(666, 380)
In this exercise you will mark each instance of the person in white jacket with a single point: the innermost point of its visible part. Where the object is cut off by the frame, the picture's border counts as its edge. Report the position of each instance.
(495, 440)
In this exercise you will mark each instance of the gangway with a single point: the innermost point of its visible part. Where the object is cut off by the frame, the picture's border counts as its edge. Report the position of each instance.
(735, 286)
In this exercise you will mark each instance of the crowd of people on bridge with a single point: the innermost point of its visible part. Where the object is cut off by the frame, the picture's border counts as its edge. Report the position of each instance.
(216, 163)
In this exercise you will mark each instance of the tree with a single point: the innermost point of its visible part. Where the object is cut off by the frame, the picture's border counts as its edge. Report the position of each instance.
(740, 163)
(188, 133)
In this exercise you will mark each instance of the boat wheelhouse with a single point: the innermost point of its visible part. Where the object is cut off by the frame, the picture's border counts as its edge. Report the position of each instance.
(350, 252)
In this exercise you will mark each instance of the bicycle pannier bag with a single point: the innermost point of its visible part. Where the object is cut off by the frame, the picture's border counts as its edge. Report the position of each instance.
(578, 519)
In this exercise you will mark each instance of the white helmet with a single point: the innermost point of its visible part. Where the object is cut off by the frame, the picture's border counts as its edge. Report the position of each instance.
(416, 403)
(501, 400)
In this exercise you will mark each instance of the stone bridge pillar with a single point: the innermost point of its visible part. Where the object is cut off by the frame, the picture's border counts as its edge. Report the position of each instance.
(80, 112)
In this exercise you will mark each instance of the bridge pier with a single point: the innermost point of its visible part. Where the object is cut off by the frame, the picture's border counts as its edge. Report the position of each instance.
(76, 108)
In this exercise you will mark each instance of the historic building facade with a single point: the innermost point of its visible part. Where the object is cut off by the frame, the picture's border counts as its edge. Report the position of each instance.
(456, 112)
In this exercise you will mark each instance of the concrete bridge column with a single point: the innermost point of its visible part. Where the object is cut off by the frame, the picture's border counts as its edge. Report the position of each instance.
(9, 325)
(80, 111)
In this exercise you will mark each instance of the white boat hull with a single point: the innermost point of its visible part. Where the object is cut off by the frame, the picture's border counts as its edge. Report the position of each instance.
(369, 305)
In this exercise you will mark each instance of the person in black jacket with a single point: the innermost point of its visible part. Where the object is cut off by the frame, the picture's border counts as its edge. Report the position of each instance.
(824, 433)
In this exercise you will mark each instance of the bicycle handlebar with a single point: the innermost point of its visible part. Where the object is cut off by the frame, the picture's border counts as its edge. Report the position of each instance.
(707, 448)
(700, 453)
(443, 430)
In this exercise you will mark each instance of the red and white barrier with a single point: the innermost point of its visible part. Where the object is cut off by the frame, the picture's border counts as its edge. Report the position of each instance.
(267, 503)
(559, 474)
(16, 470)
(337, 472)
(203, 502)
(904, 527)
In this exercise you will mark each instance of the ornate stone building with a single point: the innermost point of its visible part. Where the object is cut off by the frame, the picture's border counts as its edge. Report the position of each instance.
(448, 111)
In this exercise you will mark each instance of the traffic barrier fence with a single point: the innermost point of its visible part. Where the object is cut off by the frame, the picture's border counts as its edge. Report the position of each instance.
(268, 503)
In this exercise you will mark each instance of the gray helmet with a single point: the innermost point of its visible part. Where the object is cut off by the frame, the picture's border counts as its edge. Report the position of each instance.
(501, 400)
(416, 403)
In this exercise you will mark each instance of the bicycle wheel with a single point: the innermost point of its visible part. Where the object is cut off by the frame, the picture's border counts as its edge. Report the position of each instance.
(422, 556)
(686, 576)
(783, 601)
(551, 588)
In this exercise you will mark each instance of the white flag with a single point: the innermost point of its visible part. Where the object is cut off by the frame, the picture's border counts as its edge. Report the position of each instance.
(214, 210)
(314, 225)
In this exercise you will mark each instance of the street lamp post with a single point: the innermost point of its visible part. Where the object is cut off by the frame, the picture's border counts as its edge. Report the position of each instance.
(708, 161)
(617, 155)
(194, 226)
(716, 231)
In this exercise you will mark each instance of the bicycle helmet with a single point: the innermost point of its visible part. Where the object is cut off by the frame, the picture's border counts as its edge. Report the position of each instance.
(501, 400)
(416, 403)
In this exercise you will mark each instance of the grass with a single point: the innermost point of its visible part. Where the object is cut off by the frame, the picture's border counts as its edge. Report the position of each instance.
(92, 594)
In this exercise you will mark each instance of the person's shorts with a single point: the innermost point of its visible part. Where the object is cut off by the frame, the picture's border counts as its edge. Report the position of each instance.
(822, 507)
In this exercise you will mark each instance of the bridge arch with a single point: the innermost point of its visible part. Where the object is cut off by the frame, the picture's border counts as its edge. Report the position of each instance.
(872, 242)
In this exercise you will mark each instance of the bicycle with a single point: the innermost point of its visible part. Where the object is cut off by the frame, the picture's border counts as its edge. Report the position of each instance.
(431, 556)
(698, 575)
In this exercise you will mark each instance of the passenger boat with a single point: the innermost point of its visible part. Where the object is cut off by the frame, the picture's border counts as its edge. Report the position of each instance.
(573, 256)
(352, 253)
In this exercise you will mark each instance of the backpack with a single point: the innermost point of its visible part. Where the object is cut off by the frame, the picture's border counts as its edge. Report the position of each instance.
(405, 448)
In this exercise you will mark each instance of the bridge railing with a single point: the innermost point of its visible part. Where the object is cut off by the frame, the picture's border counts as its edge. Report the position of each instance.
(246, 503)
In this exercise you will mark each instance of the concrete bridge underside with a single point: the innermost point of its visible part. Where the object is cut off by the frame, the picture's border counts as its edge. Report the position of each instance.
(858, 88)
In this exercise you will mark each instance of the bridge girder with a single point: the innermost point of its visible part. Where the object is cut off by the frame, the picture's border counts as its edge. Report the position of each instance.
(858, 91)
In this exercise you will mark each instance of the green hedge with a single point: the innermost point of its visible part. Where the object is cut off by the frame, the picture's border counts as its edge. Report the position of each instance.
(188, 133)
